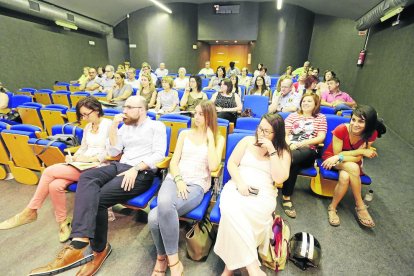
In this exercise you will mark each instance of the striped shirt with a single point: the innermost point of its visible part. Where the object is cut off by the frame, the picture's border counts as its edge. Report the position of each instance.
(299, 128)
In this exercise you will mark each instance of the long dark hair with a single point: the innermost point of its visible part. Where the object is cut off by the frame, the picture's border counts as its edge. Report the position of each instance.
(229, 85)
(90, 103)
(369, 114)
(278, 127)
(222, 68)
(198, 81)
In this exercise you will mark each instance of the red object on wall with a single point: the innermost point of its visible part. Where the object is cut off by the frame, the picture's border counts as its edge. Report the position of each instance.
(361, 58)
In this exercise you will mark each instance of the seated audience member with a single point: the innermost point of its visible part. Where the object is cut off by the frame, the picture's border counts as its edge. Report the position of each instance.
(83, 78)
(197, 153)
(305, 129)
(147, 90)
(181, 82)
(299, 71)
(235, 81)
(121, 68)
(228, 104)
(233, 70)
(143, 143)
(287, 100)
(336, 98)
(146, 69)
(279, 82)
(193, 95)
(350, 143)
(311, 83)
(161, 71)
(108, 80)
(92, 83)
(56, 178)
(120, 91)
(131, 80)
(216, 80)
(167, 99)
(100, 71)
(262, 73)
(257, 71)
(315, 72)
(244, 79)
(127, 65)
(248, 200)
(260, 88)
(289, 72)
(4, 98)
(207, 71)
(300, 84)
(323, 85)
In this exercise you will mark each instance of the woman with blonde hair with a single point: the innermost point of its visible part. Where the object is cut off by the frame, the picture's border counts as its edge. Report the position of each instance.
(197, 153)
(167, 99)
(181, 82)
(147, 90)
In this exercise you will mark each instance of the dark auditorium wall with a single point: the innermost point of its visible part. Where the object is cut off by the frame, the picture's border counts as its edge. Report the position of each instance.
(241, 26)
(36, 55)
(161, 37)
(335, 46)
(386, 81)
(285, 34)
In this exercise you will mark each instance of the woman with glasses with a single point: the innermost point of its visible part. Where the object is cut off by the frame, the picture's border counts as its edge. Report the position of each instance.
(56, 178)
(305, 130)
(248, 200)
(197, 153)
(120, 91)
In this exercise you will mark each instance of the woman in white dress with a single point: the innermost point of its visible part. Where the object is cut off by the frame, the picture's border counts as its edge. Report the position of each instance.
(249, 198)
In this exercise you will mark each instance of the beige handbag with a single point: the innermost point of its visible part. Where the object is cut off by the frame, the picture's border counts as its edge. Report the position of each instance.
(199, 240)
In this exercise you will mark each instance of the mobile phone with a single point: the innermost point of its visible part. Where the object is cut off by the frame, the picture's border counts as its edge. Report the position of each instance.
(253, 191)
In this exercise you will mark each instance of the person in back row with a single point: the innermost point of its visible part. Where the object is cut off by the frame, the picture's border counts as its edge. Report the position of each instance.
(120, 91)
(161, 71)
(131, 80)
(56, 178)
(336, 98)
(197, 153)
(92, 83)
(207, 71)
(143, 143)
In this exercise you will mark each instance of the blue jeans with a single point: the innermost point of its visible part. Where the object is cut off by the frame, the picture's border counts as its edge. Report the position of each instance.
(342, 107)
(163, 220)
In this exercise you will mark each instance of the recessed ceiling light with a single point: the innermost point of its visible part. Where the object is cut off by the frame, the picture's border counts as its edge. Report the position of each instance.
(235, 41)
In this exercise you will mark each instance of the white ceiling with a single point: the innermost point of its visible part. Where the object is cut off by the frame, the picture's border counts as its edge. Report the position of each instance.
(112, 12)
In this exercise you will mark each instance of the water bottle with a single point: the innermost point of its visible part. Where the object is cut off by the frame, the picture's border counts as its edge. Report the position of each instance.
(369, 196)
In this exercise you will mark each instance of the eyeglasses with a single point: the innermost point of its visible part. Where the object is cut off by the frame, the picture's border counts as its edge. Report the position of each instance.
(264, 131)
(127, 107)
(86, 115)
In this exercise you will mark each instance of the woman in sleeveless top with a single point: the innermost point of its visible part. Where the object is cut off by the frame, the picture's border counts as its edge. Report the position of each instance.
(120, 92)
(193, 96)
(147, 90)
(197, 153)
(248, 200)
(56, 178)
(227, 103)
(167, 99)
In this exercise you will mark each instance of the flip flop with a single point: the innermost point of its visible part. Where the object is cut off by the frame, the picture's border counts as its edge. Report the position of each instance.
(289, 210)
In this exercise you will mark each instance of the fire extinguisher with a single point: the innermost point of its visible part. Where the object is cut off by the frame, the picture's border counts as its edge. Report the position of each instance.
(361, 58)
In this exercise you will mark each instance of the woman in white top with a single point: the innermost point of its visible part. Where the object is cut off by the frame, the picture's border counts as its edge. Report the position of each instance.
(248, 200)
(181, 82)
(167, 99)
(197, 153)
(120, 91)
(56, 178)
(244, 79)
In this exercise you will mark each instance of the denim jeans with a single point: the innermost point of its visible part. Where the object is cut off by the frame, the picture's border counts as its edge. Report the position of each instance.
(163, 220)
(342, 107)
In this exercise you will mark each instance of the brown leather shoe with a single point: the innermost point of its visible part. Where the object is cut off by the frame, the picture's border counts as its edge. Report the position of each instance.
(92, 267)
(68, 258)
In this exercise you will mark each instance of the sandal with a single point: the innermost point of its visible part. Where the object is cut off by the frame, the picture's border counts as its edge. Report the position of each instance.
(289, 210)
(367, 220)
(178, 262)
(65, 229)
(333, 217)
(156, 272)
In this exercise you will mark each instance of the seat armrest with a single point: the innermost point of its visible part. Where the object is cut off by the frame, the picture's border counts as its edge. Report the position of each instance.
(217, 173)
(164, 164)
(71, 149)
(113, 158)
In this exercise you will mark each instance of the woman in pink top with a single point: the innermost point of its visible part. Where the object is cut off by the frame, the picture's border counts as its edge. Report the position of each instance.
(350, 143)
(197, 153)
(56, 178)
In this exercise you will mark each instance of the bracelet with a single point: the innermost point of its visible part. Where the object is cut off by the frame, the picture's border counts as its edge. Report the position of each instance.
(341, 158)
(179, 178)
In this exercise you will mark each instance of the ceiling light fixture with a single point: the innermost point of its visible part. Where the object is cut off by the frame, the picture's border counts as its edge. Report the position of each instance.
(65, 24)
(162, 6)
(279, 4)
(391, 13)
